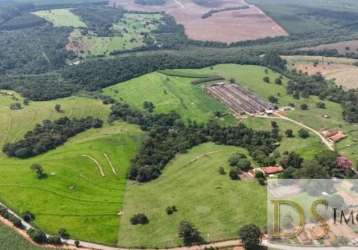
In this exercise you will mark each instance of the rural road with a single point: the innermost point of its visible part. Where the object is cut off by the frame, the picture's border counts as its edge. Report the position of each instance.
(329, 144)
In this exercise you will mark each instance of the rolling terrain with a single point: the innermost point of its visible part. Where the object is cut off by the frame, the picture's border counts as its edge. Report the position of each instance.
(199, 200)
(248, 23)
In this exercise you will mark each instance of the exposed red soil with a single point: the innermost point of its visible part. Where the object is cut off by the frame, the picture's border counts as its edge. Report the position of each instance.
(228, 26)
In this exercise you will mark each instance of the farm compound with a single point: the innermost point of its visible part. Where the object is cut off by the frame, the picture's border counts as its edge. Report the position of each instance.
(240, 100)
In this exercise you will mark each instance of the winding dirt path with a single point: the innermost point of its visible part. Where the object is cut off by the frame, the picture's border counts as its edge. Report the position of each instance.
(110, 163)
(329, 144)
(99, 167)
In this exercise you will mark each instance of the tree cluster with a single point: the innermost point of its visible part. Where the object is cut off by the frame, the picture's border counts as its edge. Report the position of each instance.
(49, 135)
(168, 135)
(323, 166)
(302, 85)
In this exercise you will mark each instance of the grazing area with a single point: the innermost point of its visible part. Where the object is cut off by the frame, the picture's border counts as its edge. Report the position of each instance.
(252, 78)
(15, 123)
(170, 93)
(152, 124)
(61, 17)
(307, 148)
(133, 30)
(69, 192)
(241, 23)
(341, 70)
(198, 200)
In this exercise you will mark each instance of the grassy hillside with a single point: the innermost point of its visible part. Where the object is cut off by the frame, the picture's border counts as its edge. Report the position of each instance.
(61, 17)
(214, 203)
(74, 195)
(15, 123)
(252, 78)
(169, 94)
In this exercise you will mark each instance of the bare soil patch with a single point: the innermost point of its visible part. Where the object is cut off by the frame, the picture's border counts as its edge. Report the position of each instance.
(341, 70)
(227, 26)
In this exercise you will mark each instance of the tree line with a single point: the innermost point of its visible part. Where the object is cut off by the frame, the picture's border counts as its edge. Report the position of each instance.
(49, 135)
(169, 135)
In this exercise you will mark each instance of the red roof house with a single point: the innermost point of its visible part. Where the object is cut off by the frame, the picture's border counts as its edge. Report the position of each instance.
(272, 170)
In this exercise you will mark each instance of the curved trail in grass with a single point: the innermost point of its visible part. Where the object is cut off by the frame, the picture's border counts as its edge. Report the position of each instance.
(99, 167)
(110, 163)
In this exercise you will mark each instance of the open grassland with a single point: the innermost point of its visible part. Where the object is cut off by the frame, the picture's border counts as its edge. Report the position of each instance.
(15, 123)
(252, 78)
(129, 32)
(247, 23)
(75, 195)
(309, 16)
(61, 17)
(339, 69)
(307, 148)
(169, 93)
(9, 240)
(216, 205)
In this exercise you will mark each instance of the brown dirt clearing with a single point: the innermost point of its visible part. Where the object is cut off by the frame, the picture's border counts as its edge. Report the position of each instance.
(339, 69)
(228, 26)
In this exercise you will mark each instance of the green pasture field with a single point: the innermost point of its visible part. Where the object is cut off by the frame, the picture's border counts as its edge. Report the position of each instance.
(129, 33)
(9, 240)
(251, 77)
(214, 203)
(170, 94)
(15, 123)
(307, 148)
(74, 196)
(61, 17)
(308, 16)
(158, 89)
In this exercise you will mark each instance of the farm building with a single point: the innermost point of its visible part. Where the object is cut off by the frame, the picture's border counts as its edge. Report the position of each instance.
(270, 170)
(334, 135)
(238, 99)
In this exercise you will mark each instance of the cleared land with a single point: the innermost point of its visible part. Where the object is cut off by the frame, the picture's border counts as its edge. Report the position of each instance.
(170, 93)
(341, 70)
(226, 26)
(74, 196)
(61, 17)
(199, 192)
(251, 77)
(129, 33)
